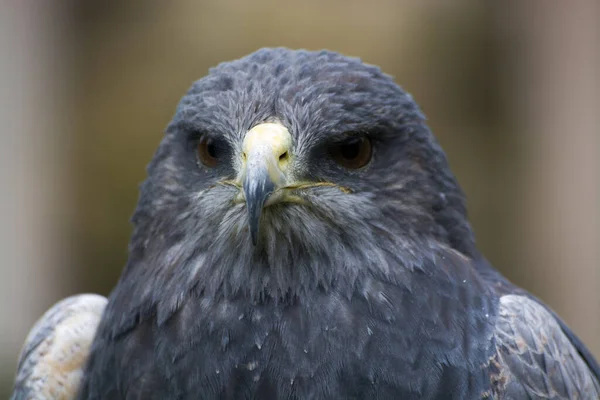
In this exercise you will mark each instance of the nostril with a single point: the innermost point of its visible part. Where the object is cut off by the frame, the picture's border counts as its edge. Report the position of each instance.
(283, 156)
(244, 156)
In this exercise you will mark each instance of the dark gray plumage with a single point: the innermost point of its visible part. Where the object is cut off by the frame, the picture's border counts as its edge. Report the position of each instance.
(363, 282)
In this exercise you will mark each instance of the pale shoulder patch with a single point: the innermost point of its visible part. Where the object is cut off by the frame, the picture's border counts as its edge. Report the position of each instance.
(56, 349)
(535, 357)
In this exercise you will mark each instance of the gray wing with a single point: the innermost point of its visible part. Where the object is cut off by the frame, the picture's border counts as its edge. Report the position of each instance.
(535, 359)
(54, 354)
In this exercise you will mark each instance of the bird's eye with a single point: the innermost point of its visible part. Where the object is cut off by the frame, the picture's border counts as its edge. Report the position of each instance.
(209, 152)
(353, 153)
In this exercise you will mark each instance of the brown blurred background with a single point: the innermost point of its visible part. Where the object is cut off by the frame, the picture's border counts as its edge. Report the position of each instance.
(87, 87)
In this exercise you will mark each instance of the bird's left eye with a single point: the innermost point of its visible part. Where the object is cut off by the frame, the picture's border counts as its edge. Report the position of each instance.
(209, 152)
(353, 153)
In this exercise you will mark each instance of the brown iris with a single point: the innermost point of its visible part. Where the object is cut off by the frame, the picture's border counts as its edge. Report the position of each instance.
(208, 152)
(353, 153)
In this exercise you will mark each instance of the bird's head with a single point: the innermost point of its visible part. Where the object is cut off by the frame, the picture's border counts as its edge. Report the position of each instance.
(287, 170)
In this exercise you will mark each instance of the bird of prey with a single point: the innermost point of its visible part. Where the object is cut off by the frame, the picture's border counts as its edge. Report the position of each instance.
(301, 236)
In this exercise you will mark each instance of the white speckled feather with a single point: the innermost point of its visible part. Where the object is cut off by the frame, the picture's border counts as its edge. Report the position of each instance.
(55, 352)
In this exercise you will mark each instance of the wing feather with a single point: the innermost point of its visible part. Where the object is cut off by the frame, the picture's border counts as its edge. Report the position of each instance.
(536, 359)
(55, 351)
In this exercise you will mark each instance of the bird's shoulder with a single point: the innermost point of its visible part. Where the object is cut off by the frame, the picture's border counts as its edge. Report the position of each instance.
(535, 358)
(53, 357)
(537, 355)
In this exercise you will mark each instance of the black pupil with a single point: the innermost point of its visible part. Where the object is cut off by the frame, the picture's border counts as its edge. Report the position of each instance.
(350, 150)
(212, 149)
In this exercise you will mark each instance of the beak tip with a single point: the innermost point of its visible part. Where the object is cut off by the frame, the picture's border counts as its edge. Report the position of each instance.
(257, 189)
(254, 234)
(254, 214)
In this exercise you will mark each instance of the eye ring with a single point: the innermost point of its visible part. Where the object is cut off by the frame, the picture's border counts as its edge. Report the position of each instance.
(353, 153)
(208, 152)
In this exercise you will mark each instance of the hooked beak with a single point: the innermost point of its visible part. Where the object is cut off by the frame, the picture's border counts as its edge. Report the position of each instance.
(266, 152)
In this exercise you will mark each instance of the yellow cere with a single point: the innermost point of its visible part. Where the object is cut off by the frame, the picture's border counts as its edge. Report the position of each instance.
(268, 139)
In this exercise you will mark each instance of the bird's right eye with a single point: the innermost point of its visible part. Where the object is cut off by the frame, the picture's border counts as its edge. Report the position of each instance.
(209, 152)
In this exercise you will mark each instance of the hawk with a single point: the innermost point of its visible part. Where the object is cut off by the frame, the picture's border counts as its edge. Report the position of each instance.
(301, 236)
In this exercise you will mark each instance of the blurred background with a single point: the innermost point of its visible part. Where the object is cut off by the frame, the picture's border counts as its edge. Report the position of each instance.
(511, 90)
